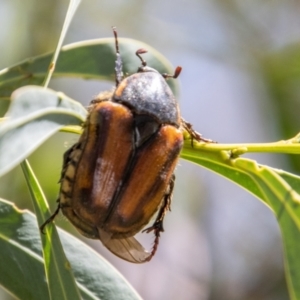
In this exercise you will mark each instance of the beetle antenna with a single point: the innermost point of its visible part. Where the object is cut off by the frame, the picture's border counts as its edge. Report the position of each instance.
(138, 54)
(176, 73)
(118, 63)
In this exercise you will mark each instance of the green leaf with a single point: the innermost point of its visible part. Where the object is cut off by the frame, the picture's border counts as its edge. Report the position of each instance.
(93, 59)
(34, 115)
(21, 258)
(61, 282)
(285, 203)
(73, 5)
(276, 188)
(220, 162)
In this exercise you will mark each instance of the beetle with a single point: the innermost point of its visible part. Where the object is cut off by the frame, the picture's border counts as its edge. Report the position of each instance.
(121, 171)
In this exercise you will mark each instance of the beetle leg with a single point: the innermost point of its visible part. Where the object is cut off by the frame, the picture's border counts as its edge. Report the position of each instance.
(166, 205)
(103, 96)
(66, 160)
(49, 220)
(193, 133)
(157, 227)
(118, 63)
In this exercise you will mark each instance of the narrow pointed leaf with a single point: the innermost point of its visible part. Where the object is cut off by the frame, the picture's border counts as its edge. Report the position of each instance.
(22, 260)
(61, 282)
(73, 5)
(276, 188)
(35, 115)
(285, 202)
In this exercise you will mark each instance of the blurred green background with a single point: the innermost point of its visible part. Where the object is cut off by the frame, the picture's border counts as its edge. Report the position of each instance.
(240, 83)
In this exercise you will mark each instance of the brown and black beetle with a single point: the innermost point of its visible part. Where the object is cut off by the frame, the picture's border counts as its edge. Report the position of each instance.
(120, 172)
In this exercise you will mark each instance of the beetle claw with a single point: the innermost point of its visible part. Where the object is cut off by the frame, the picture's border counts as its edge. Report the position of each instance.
(194, 135)
(156, 227)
